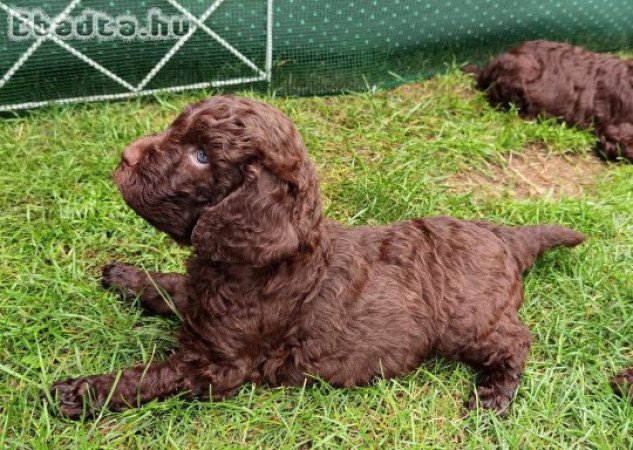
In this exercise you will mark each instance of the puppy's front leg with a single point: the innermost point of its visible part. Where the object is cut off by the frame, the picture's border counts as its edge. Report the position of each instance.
(159, 293)
(132, 387)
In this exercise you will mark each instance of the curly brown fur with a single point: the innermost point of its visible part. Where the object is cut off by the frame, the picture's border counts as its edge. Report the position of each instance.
(274, 294)
(578, 86)
(622, 384)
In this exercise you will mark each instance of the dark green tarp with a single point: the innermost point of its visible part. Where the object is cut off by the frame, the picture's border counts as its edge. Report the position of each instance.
(291, 47)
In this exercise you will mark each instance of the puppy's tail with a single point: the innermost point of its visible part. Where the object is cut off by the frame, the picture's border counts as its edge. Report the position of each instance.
(529, 242)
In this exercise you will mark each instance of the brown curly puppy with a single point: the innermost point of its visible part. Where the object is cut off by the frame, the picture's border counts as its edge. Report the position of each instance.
(559, 80)
(275, 294)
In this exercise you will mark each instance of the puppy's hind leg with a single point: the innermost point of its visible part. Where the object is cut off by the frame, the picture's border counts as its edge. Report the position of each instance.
(500, 358)
(159, 293)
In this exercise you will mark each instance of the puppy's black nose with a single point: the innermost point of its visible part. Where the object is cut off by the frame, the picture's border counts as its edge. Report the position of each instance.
(132, 154)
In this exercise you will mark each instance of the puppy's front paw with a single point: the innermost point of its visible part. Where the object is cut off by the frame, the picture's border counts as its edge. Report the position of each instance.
(78, 397)
(122, 278)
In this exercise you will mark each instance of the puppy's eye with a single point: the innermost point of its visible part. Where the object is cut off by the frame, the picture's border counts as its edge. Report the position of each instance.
(201, 156)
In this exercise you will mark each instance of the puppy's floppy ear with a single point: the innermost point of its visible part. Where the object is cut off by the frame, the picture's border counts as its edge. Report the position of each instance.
(254, 225)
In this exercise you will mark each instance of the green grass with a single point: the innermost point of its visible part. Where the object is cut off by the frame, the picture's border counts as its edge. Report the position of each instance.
(381, 157)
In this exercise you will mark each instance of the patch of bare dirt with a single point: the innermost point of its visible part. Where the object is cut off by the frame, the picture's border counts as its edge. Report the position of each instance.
(533, 173)
(412, 89)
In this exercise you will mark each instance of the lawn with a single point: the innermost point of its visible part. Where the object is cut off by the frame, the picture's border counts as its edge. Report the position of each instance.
(428, 148)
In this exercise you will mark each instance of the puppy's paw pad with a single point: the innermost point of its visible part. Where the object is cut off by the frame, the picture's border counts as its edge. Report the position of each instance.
(490, 399)
(120, 277)
(74, 397)
(116, 273)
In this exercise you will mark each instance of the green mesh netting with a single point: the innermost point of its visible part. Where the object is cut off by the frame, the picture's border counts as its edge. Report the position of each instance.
(291, 47)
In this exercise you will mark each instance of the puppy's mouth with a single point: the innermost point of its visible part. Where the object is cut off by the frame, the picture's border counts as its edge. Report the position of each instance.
(129, 184)
(127, 177)
(121, 175)
(143, 195)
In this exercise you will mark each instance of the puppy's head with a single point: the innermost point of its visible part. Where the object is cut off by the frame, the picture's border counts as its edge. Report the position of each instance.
(231, 176)
(504, 79)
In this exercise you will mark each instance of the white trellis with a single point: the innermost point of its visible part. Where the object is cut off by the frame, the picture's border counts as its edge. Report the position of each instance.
(259, 74)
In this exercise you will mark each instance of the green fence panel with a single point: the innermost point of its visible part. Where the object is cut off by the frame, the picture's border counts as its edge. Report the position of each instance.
(83, 50)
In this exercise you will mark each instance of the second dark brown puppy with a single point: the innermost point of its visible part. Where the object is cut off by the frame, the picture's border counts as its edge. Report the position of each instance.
(578, 86)
(275, 294)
